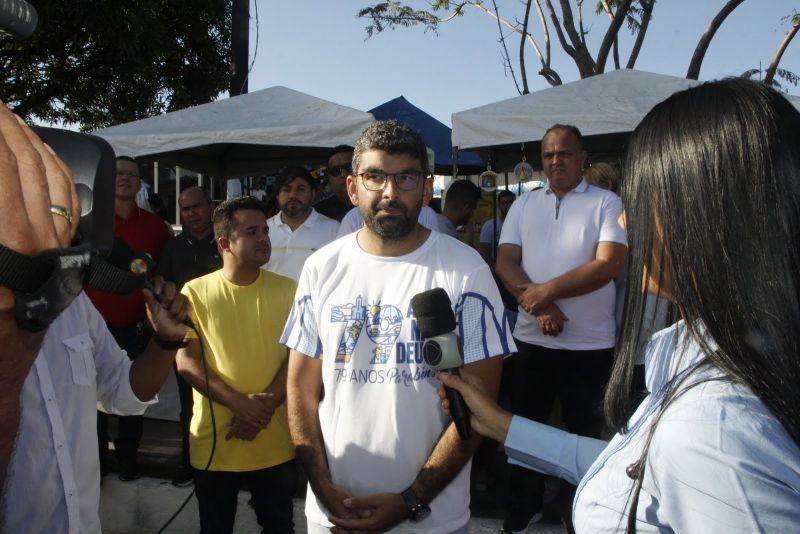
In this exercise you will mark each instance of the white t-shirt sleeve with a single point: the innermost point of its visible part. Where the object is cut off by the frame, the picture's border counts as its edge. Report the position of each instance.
(300, 332)
(486, 232)
(610, 229)
(511, 232)
(351, 222)
(482, 325)
(427, 218)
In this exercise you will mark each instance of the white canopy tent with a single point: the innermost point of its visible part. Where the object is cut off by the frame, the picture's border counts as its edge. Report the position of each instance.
(606, 108)
(251, 133)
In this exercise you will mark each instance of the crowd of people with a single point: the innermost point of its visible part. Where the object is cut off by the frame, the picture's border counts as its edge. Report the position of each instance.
(295, 344)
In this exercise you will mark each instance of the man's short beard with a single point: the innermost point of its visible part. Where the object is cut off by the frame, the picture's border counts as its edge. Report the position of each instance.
(392, 227)
(296, 213)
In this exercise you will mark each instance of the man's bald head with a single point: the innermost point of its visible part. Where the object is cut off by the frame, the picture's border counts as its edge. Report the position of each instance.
(195, 205)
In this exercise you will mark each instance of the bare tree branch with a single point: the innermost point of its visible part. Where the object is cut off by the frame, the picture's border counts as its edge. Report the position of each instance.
(523, 73)
(773, 65)
(607, 8)
(702, 46)
(546, 30)
(647, 15)
(559, 33)
(506, 57)
(611, 34)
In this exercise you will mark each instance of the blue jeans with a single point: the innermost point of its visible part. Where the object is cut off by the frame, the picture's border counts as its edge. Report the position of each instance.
(272, 490)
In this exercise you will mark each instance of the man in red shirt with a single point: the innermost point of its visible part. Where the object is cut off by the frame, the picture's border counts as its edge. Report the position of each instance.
(136, 231)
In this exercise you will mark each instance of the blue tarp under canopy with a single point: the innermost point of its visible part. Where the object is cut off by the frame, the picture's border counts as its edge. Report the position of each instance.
(436, 135)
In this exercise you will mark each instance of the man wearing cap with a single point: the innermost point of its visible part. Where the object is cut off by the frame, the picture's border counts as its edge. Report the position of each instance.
(297, 230)
(339, 167)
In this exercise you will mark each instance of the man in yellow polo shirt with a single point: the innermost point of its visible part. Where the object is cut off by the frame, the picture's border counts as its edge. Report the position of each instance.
(240, 311)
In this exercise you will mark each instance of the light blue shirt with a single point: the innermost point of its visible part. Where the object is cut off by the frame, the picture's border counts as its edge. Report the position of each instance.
(719, 461)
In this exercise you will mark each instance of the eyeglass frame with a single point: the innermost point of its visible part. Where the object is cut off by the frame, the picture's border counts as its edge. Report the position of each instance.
(420, 176)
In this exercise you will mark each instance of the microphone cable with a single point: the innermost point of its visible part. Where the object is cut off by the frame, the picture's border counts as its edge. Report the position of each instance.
(213, 431)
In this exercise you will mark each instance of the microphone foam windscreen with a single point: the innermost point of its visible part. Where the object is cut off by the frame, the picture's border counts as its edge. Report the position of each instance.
(433, 312)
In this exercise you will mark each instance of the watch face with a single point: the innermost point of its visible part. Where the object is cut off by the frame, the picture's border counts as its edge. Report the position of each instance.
(420, 512)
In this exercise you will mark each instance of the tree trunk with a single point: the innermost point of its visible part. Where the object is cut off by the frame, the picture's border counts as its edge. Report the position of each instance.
(611, 35)
(240, 46)
(773, 66)
(647, 14)
(702, 46)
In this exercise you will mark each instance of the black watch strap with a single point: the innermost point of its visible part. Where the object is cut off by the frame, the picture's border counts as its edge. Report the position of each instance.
(417, 510)
(170, 344)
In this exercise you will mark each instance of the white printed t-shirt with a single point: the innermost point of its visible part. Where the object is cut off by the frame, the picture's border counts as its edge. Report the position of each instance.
(556, 236)
(380, 416)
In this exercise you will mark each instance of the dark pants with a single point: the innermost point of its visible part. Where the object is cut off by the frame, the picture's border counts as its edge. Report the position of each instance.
(539, 376)
(133, 340)
(272, 490)
(187, 402)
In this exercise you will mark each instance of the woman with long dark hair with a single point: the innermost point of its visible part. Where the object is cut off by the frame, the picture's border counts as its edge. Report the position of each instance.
(712, 198)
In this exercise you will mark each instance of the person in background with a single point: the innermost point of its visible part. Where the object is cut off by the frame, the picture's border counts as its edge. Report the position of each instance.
(715, 447)
(560, 249)
(340, 165)
(137, 233)
(189, 255)
(297, 230)
(239, 311)
(603, 175)
(490, 231)
(460, 201)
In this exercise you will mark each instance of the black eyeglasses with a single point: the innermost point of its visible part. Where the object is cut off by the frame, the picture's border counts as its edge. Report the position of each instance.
(376, 180)
(339, 170)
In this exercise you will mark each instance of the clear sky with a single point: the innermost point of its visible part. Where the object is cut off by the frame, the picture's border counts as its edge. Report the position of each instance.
(319, 47)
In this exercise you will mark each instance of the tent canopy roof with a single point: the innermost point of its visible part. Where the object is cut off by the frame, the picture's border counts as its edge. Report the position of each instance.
(435, 134)
(250, 133)
(606, 108)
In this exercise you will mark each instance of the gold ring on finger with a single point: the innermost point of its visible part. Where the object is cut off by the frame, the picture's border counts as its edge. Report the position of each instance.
(55, 209)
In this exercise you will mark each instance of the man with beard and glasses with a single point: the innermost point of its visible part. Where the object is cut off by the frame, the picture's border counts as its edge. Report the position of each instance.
(297, 230)
(377, 452)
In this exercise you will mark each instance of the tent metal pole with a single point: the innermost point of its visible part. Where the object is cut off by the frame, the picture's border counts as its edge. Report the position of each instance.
(177, 192)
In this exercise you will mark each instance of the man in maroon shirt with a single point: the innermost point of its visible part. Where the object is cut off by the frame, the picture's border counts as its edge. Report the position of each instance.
(136, 232)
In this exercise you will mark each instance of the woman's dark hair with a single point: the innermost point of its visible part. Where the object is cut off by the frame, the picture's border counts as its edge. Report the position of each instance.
(713, 179)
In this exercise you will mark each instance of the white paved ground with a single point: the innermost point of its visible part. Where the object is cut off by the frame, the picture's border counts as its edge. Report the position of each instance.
(145, 505)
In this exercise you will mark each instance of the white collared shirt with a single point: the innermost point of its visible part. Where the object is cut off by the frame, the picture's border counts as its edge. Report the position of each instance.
(290, 249)
(54, 475)
(557, 235)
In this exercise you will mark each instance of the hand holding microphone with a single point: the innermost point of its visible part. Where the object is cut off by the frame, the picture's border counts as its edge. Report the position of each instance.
(487, 419)
(442, 349)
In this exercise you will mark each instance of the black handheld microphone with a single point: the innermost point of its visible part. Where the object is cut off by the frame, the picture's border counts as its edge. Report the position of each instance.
(442, 349)
(107, 277)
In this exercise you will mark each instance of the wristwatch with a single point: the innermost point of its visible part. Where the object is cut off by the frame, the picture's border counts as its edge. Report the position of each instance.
(417, 510)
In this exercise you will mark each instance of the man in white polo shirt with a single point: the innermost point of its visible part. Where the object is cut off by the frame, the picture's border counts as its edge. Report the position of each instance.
(297, 230)
(560, 248)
